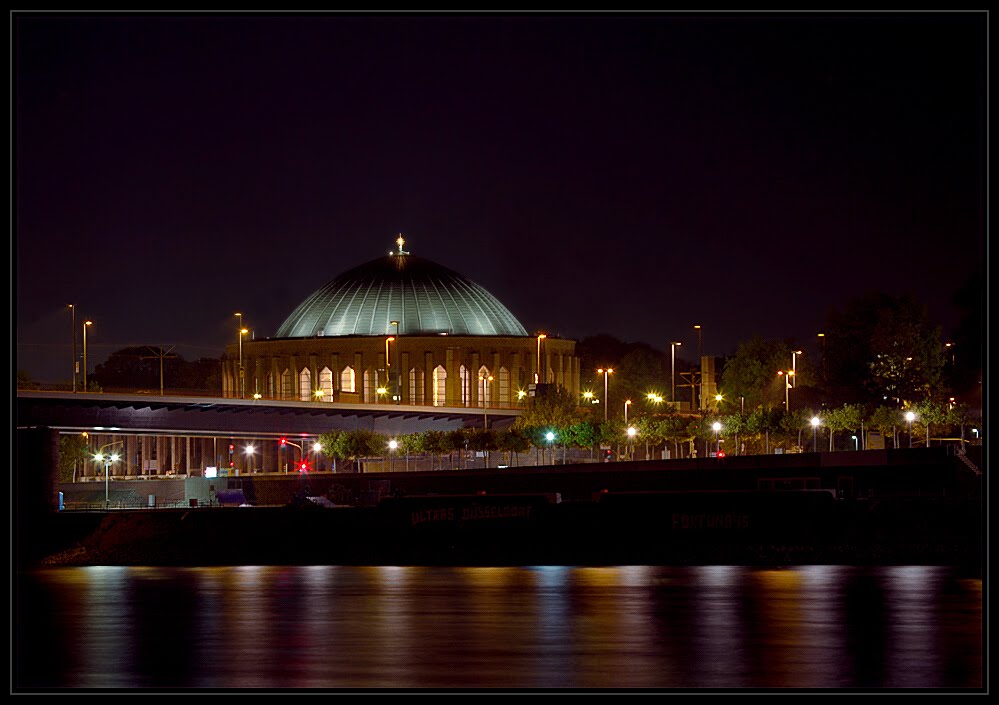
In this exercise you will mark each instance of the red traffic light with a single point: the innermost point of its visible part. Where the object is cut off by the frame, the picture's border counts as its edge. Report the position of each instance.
(231, 447)
(284, 441)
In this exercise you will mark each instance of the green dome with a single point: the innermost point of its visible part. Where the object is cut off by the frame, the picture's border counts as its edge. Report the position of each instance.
(423, 296)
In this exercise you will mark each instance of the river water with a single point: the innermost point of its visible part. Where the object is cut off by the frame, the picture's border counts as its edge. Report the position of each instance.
(526, 628)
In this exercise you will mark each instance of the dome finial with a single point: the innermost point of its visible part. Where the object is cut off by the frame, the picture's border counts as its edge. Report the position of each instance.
(400, 241)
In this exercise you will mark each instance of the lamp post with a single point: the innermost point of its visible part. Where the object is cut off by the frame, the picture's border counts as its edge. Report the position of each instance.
(632, 432)
(107, 460)
(910, 417)
(672, 370)
(605, 372)
(240, 331)
(248, 451)
(716, 427)
(626, 405)
(392, 445)
(816, 422)
(85, 324)
(398, 368)
(72, 310)
(486, 379)
(787, 386)
(822, 351)
(388, 365)
(700, 349)
(794, 366)
(537, 374)
(550, 437)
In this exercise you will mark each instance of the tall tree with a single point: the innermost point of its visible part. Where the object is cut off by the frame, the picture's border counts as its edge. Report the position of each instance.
(883, 348)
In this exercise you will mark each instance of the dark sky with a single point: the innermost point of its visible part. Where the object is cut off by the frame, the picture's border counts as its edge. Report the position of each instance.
(631, 174)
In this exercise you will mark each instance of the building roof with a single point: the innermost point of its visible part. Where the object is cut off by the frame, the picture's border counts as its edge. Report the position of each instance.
(424, 297)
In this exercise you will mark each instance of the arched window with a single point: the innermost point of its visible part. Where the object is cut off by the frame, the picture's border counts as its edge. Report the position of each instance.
(504, 386)
(287, 387)
(348, 380)
(440, 386)
(464, 378)
(305, 384)
(485, 387)
(416, 386)
(326, 383)
(371, 386)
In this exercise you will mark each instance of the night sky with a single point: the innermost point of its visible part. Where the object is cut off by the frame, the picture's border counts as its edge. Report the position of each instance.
(631, 175)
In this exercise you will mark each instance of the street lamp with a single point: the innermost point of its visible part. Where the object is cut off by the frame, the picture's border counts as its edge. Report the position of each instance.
(700, 349)
(910, 417)
(381, 392)
(716, 427)
(537, 374)
(248, 451)
(794, 366)
(672, 370)
(626, 405)
(85, 324)
(72, 310)
(787, 386)
(632, 432)
(816, 422)
(392, 445)
(107, 460)
(605, 372)
(318, 394)
(398, 372)
(550, 437)
(241, 331)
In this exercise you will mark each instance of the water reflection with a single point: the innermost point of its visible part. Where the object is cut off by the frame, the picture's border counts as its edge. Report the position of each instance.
(539, 627)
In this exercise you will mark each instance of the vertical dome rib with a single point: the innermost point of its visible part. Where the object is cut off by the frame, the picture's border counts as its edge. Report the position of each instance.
(426, 298)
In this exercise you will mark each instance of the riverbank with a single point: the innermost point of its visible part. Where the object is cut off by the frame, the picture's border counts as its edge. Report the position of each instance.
(762, 529)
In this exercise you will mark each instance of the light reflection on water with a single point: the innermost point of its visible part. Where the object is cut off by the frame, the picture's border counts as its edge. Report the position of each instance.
(538, 627)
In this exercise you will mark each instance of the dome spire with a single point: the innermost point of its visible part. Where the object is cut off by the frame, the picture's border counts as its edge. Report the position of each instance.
(400, 241)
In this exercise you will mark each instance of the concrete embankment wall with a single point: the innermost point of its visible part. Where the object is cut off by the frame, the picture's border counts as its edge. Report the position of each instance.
(680, 528)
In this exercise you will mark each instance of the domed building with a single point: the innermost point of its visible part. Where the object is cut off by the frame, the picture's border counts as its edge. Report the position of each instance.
(400, 329)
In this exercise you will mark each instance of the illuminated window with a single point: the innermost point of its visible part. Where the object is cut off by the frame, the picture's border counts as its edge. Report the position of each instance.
(370, 386)
(504, 386)
(287, 388)
(440, 386)
(305, 385)
(485, 389)
(465, 379)
(348, 380)
(416, 386)
(326, 383)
